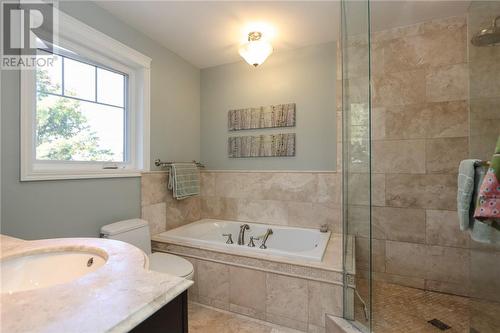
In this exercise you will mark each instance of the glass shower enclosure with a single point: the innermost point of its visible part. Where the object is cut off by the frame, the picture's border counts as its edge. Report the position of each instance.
(356, 157)
(435, 274)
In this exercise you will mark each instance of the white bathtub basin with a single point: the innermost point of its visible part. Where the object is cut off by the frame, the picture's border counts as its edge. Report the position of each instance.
(286, 242)
(45, 269)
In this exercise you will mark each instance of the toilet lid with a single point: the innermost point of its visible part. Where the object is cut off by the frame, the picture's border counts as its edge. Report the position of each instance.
(170, 264)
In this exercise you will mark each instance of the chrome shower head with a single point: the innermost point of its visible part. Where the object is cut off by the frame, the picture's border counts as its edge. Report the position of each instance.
(489, 36)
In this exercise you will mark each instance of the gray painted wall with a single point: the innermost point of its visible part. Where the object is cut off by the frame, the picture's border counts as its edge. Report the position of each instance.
(47, 209)
(303, 76)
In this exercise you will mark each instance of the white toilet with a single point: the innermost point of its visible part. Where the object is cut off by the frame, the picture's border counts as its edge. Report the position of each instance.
(136, 232)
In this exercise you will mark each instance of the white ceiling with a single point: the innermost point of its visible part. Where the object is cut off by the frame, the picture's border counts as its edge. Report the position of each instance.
(209, 33)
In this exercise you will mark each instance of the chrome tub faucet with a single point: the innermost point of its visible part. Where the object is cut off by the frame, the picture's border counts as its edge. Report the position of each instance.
(269, 232)
(241, 236)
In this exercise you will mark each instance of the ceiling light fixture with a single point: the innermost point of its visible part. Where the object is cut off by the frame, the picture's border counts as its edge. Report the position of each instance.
(256, 50)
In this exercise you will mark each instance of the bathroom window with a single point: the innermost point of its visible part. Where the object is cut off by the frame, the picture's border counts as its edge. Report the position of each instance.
(81, 112)
(86, 115)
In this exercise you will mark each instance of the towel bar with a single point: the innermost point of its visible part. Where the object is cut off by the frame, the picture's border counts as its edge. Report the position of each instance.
(159, 163)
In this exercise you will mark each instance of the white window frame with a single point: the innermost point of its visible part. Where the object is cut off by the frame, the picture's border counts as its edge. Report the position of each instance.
(98, 48)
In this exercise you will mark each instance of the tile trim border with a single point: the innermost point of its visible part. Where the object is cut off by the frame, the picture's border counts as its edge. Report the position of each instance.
(286, 269)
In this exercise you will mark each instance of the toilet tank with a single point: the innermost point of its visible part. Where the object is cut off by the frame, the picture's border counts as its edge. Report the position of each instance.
(134, 231)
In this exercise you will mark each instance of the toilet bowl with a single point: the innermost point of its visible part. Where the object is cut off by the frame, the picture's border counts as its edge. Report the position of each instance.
(136, 232)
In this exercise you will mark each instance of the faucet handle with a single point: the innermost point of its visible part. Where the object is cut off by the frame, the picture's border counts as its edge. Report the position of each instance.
(251, 243)
(229, 238)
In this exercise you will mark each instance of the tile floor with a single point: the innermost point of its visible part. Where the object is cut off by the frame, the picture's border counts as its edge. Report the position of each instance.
(396, 309)
(203, 319)
(399, 309)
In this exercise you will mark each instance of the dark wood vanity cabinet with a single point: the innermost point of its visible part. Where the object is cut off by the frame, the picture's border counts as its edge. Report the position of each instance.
(171, 318)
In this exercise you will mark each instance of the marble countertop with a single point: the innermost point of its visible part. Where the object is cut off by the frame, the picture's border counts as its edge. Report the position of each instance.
(115, 298)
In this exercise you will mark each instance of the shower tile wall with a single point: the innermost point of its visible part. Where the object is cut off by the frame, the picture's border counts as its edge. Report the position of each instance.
(421, 133)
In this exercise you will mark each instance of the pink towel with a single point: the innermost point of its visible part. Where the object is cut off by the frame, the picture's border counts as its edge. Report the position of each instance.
(488, 203)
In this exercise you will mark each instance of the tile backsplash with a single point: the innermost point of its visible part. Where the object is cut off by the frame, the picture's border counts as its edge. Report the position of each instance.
(159, 207)
(301, 199)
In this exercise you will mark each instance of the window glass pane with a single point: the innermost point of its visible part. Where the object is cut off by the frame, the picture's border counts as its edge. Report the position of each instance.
(79, 79)
(73, 130)
(110, 87)
(49, 72)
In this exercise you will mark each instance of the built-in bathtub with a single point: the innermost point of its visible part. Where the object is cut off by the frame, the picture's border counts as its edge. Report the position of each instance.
(307, 260)
(286, 242)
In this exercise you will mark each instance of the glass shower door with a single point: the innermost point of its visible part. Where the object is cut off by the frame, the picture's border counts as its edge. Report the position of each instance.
(356, 160)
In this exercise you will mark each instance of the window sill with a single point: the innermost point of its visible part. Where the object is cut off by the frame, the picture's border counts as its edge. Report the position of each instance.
(80, 175)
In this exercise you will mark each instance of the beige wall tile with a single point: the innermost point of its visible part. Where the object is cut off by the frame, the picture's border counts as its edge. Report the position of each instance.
(444, 155)
(249, 312)
(449, 23)
(447, 83)
(193, 290)
(219, 208)
(406, 259)
(359, 193)
(485, 126)
(359, 221)
(153, 188)
(399, 156)
(449, 264)
(378, 123)
(329, 190)
(401, 88)
(213, 302)
(324, 298)
(484, 78)
(239, 184)
(290, 186)
(287, 297)
(442, 229)
(485, 270)
(440, 46)
(312, 215)
(399, 224)
(248, 289)
(262, 211)
(377, 252)
(378, 189)
(421, 191)
(156, 215)
(213, 281)
(397, 32)
(207, 184)
(407, 281)
(315, 329)
(180, 212)
(427, 120)
(287, 322)
(461, 289)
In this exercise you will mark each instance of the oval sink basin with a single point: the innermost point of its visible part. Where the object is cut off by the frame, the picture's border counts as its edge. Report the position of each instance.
(46, 269)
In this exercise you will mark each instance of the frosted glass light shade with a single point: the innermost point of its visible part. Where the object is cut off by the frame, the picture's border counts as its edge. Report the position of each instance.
(256, 52)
